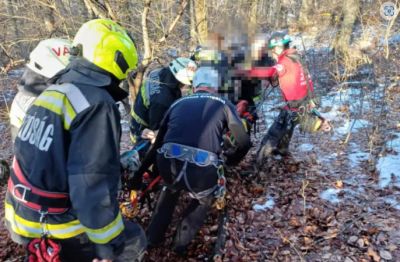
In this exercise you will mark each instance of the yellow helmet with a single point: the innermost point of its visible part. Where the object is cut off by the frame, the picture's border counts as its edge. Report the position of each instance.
(107, 45)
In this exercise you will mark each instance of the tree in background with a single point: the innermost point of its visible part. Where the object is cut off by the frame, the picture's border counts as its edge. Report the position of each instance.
(306, 13)
(200, 10)
(350, 11)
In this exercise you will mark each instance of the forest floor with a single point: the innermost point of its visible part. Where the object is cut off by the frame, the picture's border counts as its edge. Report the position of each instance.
(336, 199)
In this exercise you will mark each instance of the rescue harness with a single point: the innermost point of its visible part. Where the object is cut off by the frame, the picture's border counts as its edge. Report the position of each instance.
(44, 202)
(201, 158)
(33, 197)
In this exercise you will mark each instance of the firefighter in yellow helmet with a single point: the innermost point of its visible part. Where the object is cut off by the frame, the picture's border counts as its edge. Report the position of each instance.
(62, 191)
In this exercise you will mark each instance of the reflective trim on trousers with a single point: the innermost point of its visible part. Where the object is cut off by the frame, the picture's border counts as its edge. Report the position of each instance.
(31, 229)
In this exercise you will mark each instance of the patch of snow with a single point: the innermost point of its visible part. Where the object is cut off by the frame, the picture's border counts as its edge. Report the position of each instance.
(392, 40)
(269, 204)
(389, 165)
(330, 195)
(351, 125)
(357, 157)
(305, 147)
(392, 202)
(125, 125)
(16, 73)
(325, 157)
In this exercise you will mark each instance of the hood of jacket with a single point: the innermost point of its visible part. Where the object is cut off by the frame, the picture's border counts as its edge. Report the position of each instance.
(290, 53)
(32, 83)
(82, 73)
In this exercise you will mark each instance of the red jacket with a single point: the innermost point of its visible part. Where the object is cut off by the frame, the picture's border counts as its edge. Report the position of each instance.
(290, 73)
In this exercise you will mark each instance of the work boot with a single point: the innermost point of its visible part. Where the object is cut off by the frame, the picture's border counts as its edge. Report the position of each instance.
(265, 150)
(136, 243)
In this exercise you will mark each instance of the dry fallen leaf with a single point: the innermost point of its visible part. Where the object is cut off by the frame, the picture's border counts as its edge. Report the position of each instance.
(307, 241)
(294, 222)
(310, 229)
(371, 253)
(339, 184)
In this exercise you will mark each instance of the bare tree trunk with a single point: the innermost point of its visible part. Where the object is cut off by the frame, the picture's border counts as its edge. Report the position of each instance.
(126, 5)
(48, 7)
(134, 86)
(201, 20)
(89, 9)
(59, 5)
(350, 12)
(193, 33)
(14, 25)
(253, 16)
(305, 12)
(101, 10)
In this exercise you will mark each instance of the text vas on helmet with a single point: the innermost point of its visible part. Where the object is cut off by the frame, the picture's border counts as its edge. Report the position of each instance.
(49, 57)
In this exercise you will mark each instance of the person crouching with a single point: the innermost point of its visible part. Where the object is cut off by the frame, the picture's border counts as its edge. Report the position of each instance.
(188, 153)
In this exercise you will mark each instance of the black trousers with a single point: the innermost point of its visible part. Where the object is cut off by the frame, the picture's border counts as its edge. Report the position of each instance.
(200, 178)
(279, 134)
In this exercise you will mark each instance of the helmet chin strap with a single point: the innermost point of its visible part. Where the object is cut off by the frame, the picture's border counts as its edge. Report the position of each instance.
(206, 89)
(277, 51)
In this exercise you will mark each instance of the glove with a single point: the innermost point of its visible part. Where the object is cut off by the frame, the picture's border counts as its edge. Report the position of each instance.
(130, 162)
(242, 107)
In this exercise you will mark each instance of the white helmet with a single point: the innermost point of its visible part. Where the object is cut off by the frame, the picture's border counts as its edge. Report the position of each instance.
(183, 69)
(49, 57)
(206, 76)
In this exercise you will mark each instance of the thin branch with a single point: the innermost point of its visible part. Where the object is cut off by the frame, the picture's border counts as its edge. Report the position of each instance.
(110, 11)
(391, 23)
(175, 21)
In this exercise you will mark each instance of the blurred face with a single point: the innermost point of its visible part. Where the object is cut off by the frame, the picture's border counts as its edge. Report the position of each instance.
(276, 51)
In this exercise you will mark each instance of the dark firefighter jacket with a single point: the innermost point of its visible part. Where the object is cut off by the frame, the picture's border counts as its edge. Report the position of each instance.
(200, 120)
(69, 142)
(158, 92)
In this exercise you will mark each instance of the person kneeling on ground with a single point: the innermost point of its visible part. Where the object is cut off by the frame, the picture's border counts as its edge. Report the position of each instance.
(61, 202)
(188, 149)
